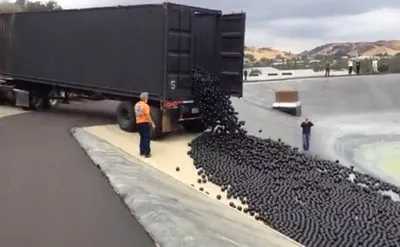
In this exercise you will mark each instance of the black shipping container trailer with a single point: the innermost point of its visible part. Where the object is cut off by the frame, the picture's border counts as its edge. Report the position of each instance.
(117, 53)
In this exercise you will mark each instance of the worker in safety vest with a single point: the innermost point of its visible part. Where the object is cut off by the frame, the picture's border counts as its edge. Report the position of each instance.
(144, 123)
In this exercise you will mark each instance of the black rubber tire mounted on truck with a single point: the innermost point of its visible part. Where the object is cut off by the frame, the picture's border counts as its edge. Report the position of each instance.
(126, 116)
(156, 114)
(40, 99)
(127, 122)
(54, 102)
(3, 100)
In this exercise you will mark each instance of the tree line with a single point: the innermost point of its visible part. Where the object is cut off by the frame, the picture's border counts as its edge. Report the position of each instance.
(29, 6)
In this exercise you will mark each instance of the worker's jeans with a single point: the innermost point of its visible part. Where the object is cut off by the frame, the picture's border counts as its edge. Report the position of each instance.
(327, 72)
(144, 132)
(306, 141)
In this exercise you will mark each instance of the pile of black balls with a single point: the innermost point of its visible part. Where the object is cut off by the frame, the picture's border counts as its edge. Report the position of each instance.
(310, 200)
(218, 115)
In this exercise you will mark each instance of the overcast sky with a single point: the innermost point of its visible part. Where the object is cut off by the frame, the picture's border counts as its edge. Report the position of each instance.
(297, 25)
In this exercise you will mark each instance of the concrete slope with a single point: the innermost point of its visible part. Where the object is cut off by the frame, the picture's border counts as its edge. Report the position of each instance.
(356, 119)
(169, 203)
(50, 193)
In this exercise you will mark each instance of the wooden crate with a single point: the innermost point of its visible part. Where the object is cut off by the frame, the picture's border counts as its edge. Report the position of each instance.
(286, 96)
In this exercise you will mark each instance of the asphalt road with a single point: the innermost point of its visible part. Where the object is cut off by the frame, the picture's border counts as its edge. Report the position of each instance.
(51, 195)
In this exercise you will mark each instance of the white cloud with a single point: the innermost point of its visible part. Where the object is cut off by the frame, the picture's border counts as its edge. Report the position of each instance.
(268, 38)
(298, 34)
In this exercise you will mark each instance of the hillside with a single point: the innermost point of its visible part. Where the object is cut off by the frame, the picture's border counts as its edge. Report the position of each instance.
(266, 52)
(381, 47)
(391, 47)
(9, 8)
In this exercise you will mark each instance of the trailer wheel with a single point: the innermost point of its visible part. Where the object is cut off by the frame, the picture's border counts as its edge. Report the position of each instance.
(126, 117)
(50, 101)
(193, 126)
(156, 114)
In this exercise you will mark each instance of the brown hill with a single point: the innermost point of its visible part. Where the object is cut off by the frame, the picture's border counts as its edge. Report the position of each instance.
(9, 8)
(389, 47)
(266, 52)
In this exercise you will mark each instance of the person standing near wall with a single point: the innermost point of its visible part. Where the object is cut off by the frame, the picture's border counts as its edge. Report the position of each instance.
(245, 74)
(350, 66)
(327, 69)
(358, 65)
(375, 66)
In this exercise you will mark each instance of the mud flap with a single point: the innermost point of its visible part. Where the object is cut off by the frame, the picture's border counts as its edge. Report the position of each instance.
(22, 98)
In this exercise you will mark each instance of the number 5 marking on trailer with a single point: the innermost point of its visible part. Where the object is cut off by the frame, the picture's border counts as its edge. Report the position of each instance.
(172, 85)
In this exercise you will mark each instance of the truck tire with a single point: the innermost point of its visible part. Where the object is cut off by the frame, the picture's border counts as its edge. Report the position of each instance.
(126, 117)
(3, 101)
(49, 102)
(193, 126)
(156, 114)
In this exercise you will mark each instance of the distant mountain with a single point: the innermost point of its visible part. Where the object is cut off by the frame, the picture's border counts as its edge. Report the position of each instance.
(266, 52)
(6, 7)
(381, 47)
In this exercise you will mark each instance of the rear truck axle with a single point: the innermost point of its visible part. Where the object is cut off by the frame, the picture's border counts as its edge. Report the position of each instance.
(36, 99)
(167, 118)
(30, 97)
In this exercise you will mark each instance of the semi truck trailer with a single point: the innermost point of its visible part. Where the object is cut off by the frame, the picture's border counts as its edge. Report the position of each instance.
(118, 52)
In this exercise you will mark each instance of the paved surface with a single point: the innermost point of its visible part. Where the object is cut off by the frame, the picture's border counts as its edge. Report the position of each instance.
(51, 195)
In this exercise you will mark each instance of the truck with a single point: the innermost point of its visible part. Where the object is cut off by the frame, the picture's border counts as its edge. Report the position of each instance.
(115, 53)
